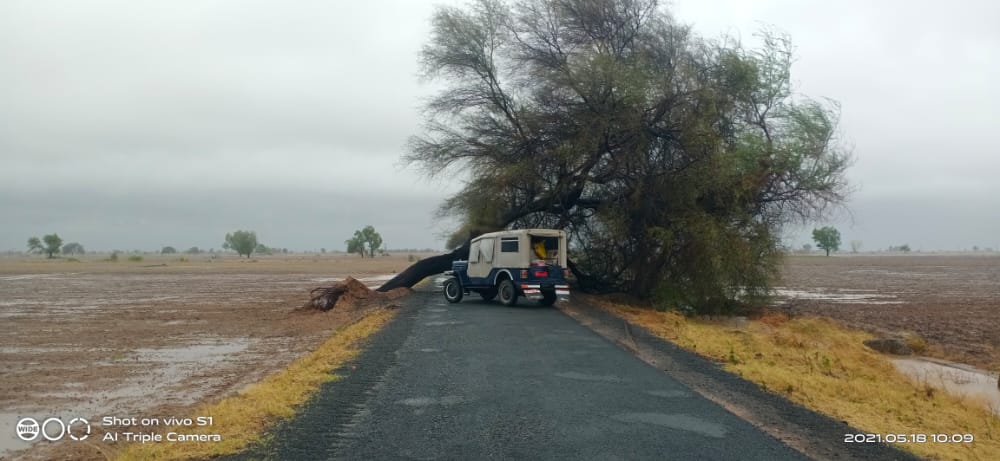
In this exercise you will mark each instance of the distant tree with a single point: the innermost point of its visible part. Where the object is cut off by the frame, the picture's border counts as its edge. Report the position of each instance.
(827, 238)
(73, 248)
(855, 246)
(263, 249)
(322, 250)
(52, 244)
(807, 247)
(365, 241)
(35, 245)
(193, 250)
(905, 248)
(168, 250)
(242, 242)
(355, 244)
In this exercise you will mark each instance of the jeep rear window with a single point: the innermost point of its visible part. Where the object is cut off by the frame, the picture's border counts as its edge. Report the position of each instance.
(545, 248)
(508, 245)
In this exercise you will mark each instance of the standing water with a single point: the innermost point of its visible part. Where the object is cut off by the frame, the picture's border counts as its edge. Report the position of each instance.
(954, 378)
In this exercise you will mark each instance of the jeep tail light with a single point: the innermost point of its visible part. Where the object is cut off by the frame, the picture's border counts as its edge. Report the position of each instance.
(524, 273)
(541, 274)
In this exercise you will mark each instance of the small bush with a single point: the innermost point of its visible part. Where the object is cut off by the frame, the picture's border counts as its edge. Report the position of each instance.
(183, 260)
(72, 260)
(412, 258)
(916, 343)
(113, 258)
(135, 258)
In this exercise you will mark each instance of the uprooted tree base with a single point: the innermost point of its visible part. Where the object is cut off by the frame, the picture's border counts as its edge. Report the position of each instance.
(351, 294)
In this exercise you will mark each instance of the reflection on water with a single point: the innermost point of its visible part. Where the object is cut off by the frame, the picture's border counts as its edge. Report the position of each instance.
(954, 378)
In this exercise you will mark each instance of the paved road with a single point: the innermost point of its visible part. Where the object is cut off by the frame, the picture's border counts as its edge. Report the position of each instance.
(482, 381)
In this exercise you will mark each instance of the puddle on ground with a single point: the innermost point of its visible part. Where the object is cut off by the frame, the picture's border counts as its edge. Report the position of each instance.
(437, 309)
(679, 422)
(840, 297)
(165, 371)
(430, 349)
(589, 377)
(954, 378)
(442, 323)
(428, 401)
(27, 277)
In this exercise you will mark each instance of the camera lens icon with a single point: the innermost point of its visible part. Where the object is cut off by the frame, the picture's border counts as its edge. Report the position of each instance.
(28, 429)
(52, 429)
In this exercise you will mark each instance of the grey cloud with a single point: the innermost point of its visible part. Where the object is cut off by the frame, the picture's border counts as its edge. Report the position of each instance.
(126, 121)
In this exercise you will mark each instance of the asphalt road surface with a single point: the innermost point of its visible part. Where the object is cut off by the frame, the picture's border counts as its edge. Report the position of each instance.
(478, 380)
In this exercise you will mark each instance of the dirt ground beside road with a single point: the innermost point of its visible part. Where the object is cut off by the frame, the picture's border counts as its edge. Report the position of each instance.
(134, 339)
(951, 301)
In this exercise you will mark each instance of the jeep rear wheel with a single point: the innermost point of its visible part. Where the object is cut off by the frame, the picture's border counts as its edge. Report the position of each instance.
(452, 290)
(507, 292)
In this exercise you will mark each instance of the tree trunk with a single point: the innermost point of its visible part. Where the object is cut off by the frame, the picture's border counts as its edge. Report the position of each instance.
(426, 268)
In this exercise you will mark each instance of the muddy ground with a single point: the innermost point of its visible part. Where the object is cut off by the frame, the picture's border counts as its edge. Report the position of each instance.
(135, 339)
(952, 301)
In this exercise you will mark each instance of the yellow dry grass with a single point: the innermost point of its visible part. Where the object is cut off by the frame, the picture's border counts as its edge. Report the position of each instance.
(824, 366)
(242, 419)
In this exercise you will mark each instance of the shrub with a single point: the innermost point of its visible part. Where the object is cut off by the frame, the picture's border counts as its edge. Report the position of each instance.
(135, 258)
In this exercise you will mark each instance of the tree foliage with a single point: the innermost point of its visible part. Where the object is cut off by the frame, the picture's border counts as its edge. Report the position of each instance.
(52, 244)
(168, 250)
(73, 248)
(827, 238)
(365, 241)
(35, 245)
(242, 242)
(672, 161)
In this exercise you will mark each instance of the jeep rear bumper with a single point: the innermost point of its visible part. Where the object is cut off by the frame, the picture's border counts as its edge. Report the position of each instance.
(538, 291)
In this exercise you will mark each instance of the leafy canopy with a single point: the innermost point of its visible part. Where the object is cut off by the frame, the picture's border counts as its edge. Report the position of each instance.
(73, 248)
(672, 161)
(35, 245)
(827, 238)
(365, 241)
(242, 242)
(52, 243)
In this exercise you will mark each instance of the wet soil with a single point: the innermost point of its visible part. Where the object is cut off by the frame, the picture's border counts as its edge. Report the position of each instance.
(951, 301)
(97, 339)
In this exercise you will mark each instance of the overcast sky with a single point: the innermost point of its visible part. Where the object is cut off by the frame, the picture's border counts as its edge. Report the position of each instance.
(137, 124)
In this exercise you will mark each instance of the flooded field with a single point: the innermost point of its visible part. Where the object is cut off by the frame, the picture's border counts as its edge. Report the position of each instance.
(951, 301)
(98, 338)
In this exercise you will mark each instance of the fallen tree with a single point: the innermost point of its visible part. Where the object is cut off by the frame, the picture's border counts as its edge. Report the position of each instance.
(426, 268)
